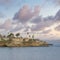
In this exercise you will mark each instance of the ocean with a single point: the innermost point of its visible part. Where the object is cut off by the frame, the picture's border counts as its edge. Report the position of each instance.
(30, 53)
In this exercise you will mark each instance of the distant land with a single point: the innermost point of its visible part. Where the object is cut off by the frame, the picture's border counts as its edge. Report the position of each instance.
(12, 40)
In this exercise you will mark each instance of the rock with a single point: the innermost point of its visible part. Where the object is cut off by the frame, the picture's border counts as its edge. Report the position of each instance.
(23, 42)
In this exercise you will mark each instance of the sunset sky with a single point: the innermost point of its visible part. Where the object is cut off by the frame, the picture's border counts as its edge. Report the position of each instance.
(39, 17)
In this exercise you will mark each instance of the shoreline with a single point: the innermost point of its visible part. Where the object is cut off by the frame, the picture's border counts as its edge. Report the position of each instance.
(12, 41)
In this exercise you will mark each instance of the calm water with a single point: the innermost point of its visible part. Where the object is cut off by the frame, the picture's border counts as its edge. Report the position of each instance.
(30, 53)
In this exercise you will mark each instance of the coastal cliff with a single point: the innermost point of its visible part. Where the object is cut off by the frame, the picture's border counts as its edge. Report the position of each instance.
(22, 42)
(15, 41)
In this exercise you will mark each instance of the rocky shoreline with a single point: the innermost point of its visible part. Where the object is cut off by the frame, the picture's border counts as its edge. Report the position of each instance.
(15, 41)
(20, 42)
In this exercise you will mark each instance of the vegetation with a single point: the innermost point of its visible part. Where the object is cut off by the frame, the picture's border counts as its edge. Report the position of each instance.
(11, 40)
(18, 34)
(10, 35)
(32, 36)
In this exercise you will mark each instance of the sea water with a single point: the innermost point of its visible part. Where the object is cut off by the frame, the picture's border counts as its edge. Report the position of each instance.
(30, 53)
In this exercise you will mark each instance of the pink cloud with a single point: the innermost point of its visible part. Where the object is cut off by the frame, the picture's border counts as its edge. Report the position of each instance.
(36, 10)
(57, 28)
(26, 13)
(6, 25)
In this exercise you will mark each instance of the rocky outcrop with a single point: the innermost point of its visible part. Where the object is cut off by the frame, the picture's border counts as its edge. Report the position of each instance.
(23, 42)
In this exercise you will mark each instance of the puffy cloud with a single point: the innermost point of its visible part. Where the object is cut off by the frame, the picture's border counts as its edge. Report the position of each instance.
(25, 13)
(37, 24)
(10, 26)
(40, 22)
(43, 22)
(37, 19)
(37, 27)
(27, 19)
(46, 32)
(6, 25)
(50, 32)
(57, 16)
(16, 27)
(57, 28)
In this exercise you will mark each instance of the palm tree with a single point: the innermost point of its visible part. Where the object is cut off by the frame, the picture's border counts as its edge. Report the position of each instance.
(28, 34)
(10, 36)
(32, 36)
(18, 34)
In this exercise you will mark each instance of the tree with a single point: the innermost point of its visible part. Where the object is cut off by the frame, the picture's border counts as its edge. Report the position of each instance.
(18, 34)
(32, 36)
(28, 34)
(11, 35)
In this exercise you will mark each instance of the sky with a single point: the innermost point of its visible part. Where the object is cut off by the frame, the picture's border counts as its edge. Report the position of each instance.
(38, 17)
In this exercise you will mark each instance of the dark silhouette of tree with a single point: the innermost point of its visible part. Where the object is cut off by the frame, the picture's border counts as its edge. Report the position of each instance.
(10, 35)
(32, 36)
(18, 34)
(28, 35)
